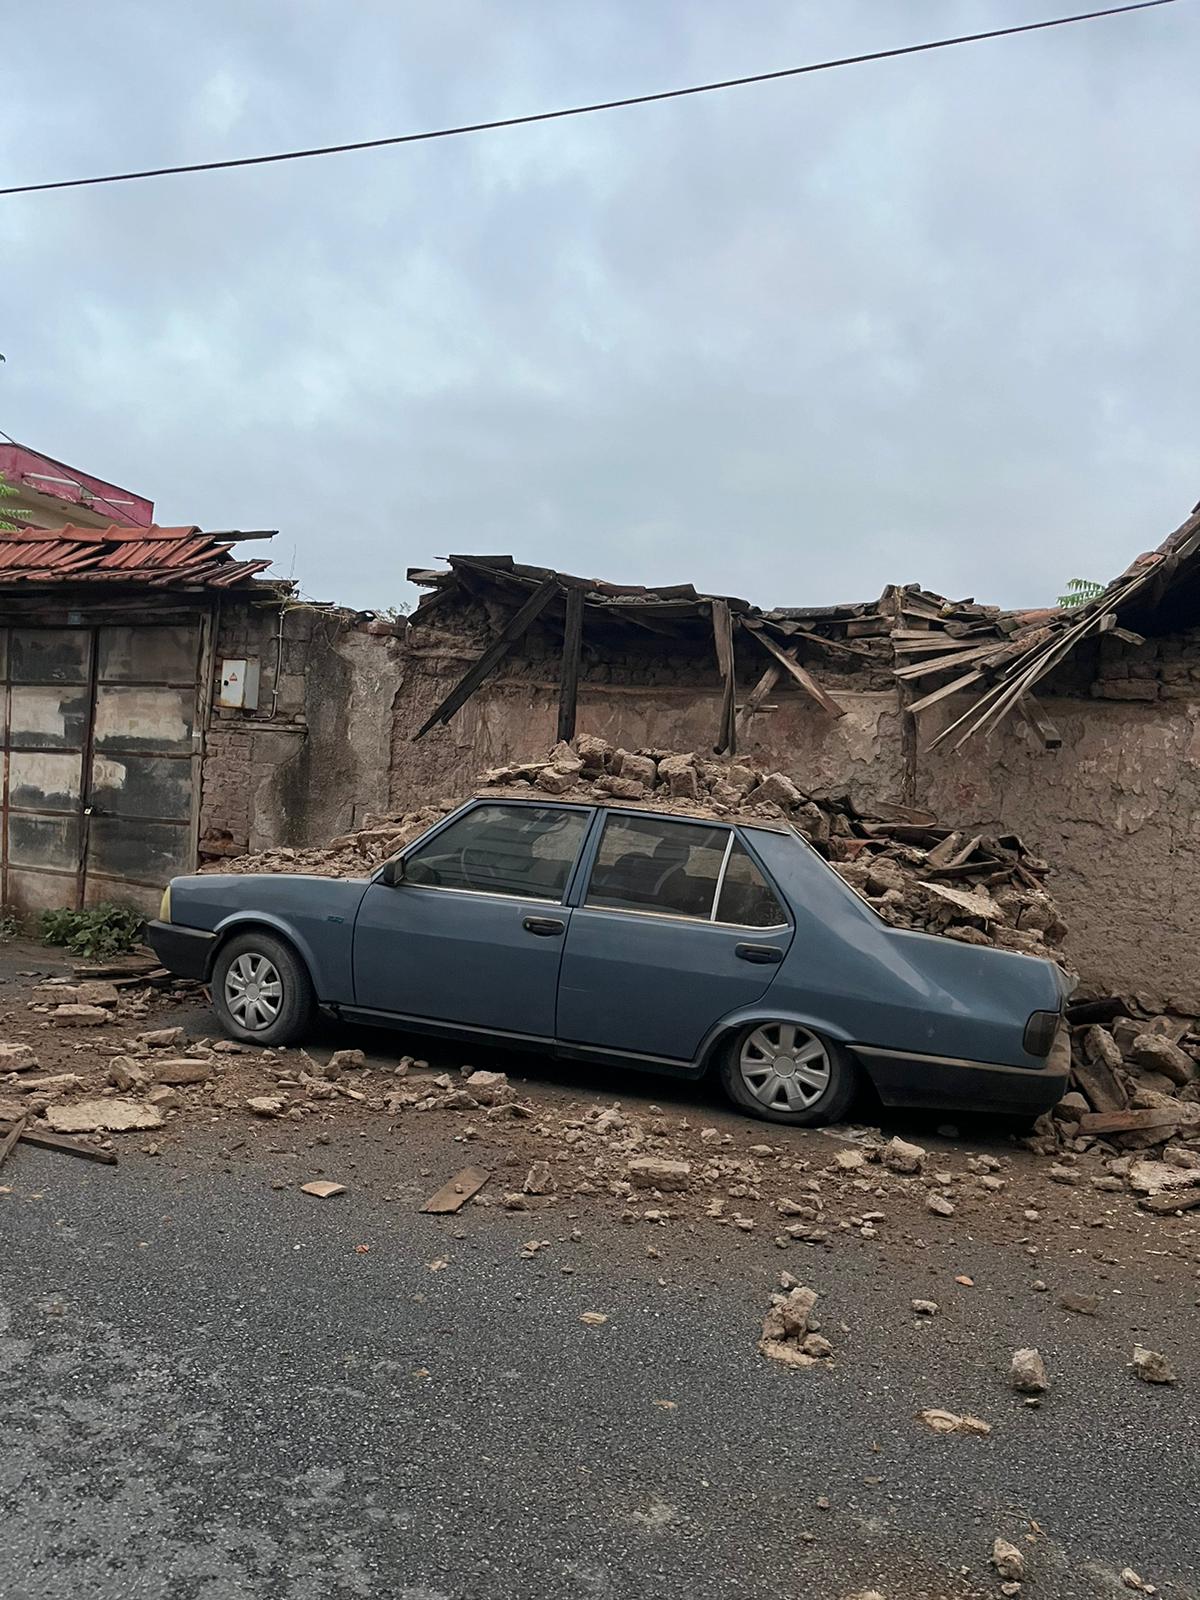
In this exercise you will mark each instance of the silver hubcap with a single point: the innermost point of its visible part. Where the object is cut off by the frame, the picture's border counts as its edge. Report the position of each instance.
(253, 991)
(785, 1067)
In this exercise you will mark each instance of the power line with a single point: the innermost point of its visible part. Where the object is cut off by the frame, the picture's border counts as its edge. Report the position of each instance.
(580, 111)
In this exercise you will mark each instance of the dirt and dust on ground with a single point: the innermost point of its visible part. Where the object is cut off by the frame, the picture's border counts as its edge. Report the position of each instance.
(543, 1157)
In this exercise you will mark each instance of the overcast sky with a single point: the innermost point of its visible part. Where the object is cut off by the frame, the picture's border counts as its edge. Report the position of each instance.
(928, 320)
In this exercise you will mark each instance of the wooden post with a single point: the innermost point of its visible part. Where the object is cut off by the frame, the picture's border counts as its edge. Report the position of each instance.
(722, 623)
(568, 684)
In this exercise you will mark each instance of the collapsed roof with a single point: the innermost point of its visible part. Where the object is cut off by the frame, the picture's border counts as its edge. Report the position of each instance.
(934, 648)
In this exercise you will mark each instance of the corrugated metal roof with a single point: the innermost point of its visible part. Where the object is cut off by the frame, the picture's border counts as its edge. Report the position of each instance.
(156, 557)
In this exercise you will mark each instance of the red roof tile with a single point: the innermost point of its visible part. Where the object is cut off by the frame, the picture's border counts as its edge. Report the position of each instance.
(158, 557)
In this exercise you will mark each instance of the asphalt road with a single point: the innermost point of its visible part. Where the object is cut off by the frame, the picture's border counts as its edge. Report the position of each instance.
(209, 1392)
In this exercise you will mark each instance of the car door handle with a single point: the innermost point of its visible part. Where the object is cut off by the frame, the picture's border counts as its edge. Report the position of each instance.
(763, 955)
(547, 927)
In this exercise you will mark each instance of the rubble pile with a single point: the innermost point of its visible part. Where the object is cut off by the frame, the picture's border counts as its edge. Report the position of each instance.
(977, 888)
(1134, 1101)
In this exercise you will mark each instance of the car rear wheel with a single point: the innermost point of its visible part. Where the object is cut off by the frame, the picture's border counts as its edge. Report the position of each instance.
(784, 1072)
(261, 991)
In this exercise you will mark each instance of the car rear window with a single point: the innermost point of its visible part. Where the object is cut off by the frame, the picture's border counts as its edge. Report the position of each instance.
(520, 850)
(647, 864)
(746, 899)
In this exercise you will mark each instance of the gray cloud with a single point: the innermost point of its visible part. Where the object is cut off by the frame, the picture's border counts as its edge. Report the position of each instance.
(930, 319)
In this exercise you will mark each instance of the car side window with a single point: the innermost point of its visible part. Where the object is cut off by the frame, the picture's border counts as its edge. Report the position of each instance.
(746, 899)
(494, 849)
(650, 864)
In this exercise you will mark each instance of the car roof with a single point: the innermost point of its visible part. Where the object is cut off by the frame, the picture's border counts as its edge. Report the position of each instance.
(671, 810)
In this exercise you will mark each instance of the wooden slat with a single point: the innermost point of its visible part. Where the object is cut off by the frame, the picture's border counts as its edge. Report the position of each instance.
(515, 628)
(803, 678)
(455, 1193)
(1146, 1121)
(568, 687)
(10, 1139)
(1041, 724)
(946, 690)
(758, 695)
(723, 640)
(946, 663)
(68, 1147)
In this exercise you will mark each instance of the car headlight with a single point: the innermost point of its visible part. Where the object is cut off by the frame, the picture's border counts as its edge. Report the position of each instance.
(164, 909)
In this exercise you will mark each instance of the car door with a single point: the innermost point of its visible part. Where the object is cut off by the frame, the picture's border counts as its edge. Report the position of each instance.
(473, 933)
(678, 926)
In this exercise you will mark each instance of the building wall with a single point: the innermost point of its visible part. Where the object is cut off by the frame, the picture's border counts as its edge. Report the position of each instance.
(1116, 810)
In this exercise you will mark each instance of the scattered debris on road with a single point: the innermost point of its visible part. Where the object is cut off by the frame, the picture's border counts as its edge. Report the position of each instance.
(789, 1333)
(1152, 1366)
(954, 1422)
(323, 1188)
(1027, 1374)
(1008, 1561)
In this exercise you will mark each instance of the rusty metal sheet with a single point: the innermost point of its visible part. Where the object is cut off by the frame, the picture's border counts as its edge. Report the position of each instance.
(42, 841)
(45, 780)
(50, 655)
(143, 718)
(142, 786)
(165, 655)
(140, 851)
(44, 717)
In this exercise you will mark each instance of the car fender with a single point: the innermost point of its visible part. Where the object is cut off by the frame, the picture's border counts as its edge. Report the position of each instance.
(287, 931)
(763, 1011)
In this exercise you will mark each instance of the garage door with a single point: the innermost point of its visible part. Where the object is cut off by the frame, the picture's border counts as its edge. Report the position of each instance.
(100, 764)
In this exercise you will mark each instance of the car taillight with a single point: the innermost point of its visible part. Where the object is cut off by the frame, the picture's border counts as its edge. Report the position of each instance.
(1040, 1031)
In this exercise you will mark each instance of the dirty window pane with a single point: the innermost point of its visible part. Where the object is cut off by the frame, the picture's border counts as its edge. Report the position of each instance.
(646, 864)
(745, 898)
(519, 850)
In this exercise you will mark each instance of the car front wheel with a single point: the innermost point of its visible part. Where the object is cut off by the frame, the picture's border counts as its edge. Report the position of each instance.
(261, 991)
(784, 1072)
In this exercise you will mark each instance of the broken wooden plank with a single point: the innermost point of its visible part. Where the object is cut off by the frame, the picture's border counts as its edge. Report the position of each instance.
(942, 854)
(1041, 724)
(68, 1147)
(759, 693)
(803, 678)
(1127, 636)
(514, 629)
(10, 1139)
(568, 684)
(947, 689)
(455, 1193)
(722, 623)
(946, 663)
(1173, 1200)
(1128, 1121)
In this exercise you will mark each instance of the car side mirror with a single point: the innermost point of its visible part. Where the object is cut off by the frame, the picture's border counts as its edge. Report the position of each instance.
(393, 872)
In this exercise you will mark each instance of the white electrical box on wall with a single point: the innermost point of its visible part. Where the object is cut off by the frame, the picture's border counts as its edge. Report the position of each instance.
(239, 686)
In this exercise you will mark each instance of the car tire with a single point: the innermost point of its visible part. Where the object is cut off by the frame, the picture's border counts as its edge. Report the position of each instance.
(261, 990)
(819, 1088)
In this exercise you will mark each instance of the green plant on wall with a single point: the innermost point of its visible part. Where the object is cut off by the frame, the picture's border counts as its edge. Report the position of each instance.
(7, 492)
(1079, 592)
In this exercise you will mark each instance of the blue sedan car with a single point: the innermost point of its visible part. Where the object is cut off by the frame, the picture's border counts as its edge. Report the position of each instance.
(670, 943)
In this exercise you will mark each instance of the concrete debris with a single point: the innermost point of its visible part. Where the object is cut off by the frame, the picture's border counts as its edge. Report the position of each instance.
(72, 1016)
(515, 1202)
(323, 1188)
(164, 1097)
(265, 1105)
(1152, 1366)
(90, 993)
(182, 1070)
(1155, 1053)
(17, 1058)
(161, 1038)
(900, 1156)
(103, 1116)
(125, 1073)
(540, 1179)
(939, 1205)
(1083, 1305)
(594, 1319)
(1008, 1561)
(955, 1422)
(788, 1334)
(1027, 1374)
(345, 1061)
(901, 867)
(1132, 1580)
(490, 1088)
(925, 1308)
(653, 1172)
